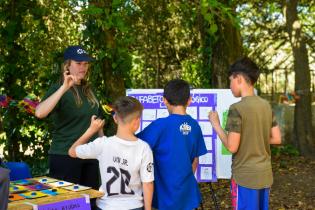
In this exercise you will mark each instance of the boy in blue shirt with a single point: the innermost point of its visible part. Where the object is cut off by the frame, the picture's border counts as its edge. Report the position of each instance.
(176, 142)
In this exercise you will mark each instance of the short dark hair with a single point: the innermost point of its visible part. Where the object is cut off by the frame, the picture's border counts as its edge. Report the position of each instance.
(126, 106)
(177, 92)
(246, 67)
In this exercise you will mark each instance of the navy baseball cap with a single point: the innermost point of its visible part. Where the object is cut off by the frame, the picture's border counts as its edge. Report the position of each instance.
(76, 53)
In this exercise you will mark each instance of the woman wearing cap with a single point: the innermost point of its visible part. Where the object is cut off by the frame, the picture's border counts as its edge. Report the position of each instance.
(70, 104)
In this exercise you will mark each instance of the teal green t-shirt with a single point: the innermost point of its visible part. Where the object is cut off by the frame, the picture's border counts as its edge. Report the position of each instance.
(69, 121)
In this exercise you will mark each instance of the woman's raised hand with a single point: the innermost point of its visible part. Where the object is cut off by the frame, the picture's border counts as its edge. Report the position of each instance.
(69, 80)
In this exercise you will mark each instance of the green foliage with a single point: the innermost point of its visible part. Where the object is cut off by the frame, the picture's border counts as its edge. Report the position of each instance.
(267, 42)
(136, 44)
(32, 34)
(25, 138)
(178, 37)
(215, 10)
(287, 149)
(107, 32)
(192, 73)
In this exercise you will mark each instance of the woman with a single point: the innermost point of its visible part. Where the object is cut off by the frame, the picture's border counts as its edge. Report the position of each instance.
(70, 104)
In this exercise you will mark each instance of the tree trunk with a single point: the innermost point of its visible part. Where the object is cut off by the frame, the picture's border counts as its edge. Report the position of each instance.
(205, 43)
(225, 51)
(303, 137)
(272, 86)
(285, 81)
(114, 82)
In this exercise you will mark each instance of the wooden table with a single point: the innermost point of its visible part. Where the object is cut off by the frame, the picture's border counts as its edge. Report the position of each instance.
(20, 205)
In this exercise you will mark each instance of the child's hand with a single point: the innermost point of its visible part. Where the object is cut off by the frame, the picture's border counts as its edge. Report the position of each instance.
(214, 118)
(96, 123)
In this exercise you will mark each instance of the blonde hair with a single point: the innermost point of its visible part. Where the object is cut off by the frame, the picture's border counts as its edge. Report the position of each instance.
(86, 89)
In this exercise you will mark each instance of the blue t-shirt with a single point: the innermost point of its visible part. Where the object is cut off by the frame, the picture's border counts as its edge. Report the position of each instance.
(175, 141)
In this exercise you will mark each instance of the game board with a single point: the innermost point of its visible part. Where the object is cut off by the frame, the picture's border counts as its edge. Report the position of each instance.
(55, 191)
(17, 189)
(24, 182)
(15, 197)
(38, 186)
(26, 194)
(33, 194)
(45, 180)
(60, 184)
(76, 188)
(50, 191)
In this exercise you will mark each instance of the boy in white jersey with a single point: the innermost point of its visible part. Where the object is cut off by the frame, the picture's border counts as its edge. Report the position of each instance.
(126, 162)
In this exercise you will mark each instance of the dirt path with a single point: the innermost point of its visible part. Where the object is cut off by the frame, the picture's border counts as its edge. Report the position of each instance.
(293, 188)
(294, 183)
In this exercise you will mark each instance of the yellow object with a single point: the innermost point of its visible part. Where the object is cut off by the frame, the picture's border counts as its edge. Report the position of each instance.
(107, 109)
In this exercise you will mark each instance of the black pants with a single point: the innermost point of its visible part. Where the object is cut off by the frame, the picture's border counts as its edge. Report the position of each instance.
(75, 170)
(4, 188)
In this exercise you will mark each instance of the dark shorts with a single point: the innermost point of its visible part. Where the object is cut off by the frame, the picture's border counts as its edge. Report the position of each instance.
(251, 199)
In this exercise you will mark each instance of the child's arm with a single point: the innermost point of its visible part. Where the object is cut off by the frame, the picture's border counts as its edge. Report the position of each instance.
(147, 176)
(230, 141)
(147, 194)
(275, 137)
(96, 125)
(194, 164)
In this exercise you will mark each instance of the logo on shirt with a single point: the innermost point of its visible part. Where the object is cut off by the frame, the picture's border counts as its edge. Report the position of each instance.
(185, 128)
(150, 167)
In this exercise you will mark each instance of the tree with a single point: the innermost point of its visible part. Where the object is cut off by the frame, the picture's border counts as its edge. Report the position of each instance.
(228, 46)
(166, 43)
(178, 37)
(107, 33)
(32, 35)
(303, 135)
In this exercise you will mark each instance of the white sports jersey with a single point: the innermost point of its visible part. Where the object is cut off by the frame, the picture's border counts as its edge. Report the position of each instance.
(124, 165)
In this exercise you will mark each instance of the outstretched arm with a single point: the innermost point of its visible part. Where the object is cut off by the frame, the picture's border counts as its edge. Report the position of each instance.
(231, 141)
(96, 125)
(46, 106)
(148, 188)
